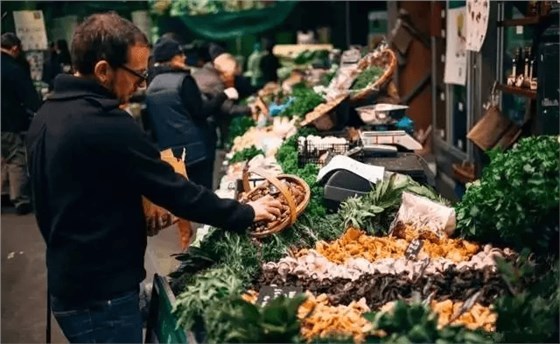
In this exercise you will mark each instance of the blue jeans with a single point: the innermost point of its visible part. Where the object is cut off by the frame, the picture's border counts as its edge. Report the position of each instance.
(116, 320)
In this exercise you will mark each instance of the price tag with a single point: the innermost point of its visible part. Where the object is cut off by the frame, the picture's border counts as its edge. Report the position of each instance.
(269, 293)
(411, 252)
(519, 29)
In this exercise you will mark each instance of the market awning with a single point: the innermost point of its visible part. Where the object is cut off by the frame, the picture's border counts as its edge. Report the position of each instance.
(225, 25)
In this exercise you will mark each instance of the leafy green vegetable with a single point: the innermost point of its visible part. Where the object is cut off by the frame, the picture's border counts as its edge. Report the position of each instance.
(246, 154)
(238, 126)
(207, 291)
(416, 323)
(367, 77)
(305, 100)
(375, 211)
(515, 203)
(242, 322)
(531, 313)
(287, 157)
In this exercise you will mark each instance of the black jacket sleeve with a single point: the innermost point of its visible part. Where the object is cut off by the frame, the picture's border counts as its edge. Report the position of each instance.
(197, 104)
(142, 167)
(231, 109)
(26, 93)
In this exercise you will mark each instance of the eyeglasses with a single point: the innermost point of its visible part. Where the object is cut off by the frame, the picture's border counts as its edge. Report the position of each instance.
(142, 76)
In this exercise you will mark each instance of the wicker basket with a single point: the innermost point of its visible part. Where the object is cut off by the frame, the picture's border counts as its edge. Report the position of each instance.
(322, 116)
(386, 59)
(296, 206)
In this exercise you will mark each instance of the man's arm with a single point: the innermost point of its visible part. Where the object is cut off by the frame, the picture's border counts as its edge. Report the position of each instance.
(139, 161)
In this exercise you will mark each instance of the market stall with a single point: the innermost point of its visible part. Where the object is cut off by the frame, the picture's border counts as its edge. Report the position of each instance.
(365, 249)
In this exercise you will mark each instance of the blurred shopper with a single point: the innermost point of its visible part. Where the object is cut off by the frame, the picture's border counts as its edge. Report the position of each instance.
(19, 103)
(63, 58)
(269, 63)
(58, 61)
(213, 78)
(178, 115)
(90, 164)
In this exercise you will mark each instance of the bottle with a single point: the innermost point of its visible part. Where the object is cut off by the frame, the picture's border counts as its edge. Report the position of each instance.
(519, 61)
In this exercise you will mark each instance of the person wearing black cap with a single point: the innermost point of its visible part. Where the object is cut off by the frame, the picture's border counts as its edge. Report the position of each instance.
(178, 114)
(212, 79)
(19, 102)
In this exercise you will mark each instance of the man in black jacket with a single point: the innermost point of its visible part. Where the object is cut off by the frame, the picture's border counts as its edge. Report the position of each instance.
(179, 115)
(19, 103)
(90, 164)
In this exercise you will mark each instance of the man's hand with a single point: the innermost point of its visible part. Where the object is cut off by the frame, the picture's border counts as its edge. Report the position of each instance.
(231, 93)
(266, 208)
(157, 222)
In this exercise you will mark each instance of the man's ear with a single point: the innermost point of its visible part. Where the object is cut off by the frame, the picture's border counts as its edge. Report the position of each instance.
(103, 72)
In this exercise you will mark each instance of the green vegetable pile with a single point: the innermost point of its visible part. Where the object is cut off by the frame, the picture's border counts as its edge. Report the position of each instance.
(237, 127)
(246, 154)
(367, 77)
(416, 323)
(305, 100)
(307, 56)
(515, 203)
(375, 211)
(531, 314)
(515, 189)
(239, 321)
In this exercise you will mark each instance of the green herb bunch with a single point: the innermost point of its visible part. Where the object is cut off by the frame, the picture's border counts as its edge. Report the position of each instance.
(375, 211)
(305, 100)
(367, 77)
(531, 312)
(515, 203)
(246, 154)
(239, 321)
(238, 126)
(417, 323)
(287, 157)
(206, 292)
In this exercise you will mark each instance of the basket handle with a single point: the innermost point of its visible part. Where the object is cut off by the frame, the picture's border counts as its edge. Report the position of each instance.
(277, 183)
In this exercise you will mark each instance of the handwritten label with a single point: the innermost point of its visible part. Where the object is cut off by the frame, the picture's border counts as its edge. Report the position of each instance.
(413, 249)
(269, 293)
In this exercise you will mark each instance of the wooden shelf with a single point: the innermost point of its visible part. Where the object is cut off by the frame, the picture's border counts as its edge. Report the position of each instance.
(525, 21)
(524, 92)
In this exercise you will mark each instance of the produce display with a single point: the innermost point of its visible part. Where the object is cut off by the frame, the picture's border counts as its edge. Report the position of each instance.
(367, 77)
(246, 154)
(516, 200)
(362, 275)
(294, 200)
(304, 101)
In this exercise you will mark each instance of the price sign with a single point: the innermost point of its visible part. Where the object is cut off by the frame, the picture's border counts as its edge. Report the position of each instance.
(269, 293)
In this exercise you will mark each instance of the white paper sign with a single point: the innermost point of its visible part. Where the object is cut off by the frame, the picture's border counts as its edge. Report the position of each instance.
(455, 53)
(30, 29)
(369, 172)
(477, 23)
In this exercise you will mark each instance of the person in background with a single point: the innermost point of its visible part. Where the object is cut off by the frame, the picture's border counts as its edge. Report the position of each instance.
(213, 78)
(254, 67)
(50, 67)
(90, 165)
(63, 58)
(269, 63)
(178, 115)
(19, 103)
